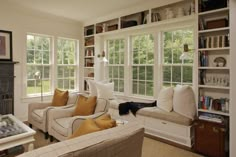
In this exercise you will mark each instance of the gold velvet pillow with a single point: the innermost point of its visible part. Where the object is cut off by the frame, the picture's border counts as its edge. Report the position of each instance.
(85, 106)
(60, 98)
(86, 127)
(105, 122)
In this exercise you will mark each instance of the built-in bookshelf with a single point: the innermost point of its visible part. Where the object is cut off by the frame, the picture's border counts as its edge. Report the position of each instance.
(213, 59)
(89, 53)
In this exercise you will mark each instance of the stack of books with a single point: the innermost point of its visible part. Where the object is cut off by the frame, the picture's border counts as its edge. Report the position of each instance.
(211, 117)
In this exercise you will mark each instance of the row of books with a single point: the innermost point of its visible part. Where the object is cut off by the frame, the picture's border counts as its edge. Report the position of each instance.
(214, 41)
(211, 117)
(208, 103)
(203, 58)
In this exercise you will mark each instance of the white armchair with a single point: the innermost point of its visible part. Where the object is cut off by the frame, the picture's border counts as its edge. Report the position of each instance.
(38, 113)
(62, 124)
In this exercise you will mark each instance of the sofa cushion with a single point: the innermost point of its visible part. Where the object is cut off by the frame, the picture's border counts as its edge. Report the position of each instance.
(72, 98)
(105, 91)
(165, 99)
(85, 106)
(101, 105)
(86, 127)
(60, 98)
(105, 122)
(184, 101)
(92, 87)
(156, 112)
(61, 125)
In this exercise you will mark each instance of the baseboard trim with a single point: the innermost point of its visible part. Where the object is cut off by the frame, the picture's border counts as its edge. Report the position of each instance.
(169, 142)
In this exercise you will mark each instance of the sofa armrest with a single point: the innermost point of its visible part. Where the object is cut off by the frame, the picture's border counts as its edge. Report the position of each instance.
(33, 106)
(56, 113)
(77, 120)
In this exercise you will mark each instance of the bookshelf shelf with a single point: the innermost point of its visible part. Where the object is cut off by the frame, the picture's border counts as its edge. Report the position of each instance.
(89, 57)
(88, 36)
(224, 10)
(214, 112)
(213, 68)
(213, 87)
(214, 49)
(213, 30)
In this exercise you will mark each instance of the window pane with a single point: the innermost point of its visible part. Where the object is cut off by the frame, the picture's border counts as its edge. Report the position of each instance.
(110, 72)
(60, 72)
(46, 57)
(30, 42)
(187, 74)
(46, 72)
(135, 87)
(176, 55)
(30, 87)
(116, 85)
(66, 56)
(141, 88)
(46, 86)
(121, 86)
(149, 74)
(142, 73)
(149, 89)
(173, 49)
(30, 56)
(135, 72)
(176, 74)
(121, 72)
(38, 57)
(115, 72)
(167, 56)
(167, 73)
(66, 73)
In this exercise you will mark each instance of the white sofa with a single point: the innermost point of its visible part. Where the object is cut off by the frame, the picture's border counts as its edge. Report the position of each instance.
(166, 125)
(121, 141)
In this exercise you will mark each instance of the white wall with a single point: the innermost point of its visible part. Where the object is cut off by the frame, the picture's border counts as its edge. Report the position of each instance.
(20, 22)
(233, 78)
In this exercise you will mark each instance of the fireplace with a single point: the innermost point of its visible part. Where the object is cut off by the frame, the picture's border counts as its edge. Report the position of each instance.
(7, 87)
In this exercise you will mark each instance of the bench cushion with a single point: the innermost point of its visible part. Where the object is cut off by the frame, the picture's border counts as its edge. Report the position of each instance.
(156, 112)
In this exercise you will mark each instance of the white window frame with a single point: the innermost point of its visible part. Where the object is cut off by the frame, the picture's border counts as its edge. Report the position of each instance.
(66, 65)
(138, 65)
(181, 65)
(116, 65)
(53, 66)
(40, 65)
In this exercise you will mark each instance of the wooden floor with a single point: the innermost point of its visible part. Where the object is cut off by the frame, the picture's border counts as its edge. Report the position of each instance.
(151, 148)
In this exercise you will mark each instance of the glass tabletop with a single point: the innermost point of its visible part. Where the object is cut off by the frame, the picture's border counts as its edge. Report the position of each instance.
(9, 128)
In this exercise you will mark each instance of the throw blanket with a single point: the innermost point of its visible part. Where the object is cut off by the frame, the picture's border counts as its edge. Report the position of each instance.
(124, 108)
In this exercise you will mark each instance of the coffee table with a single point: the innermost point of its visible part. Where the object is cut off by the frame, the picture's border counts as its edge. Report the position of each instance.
(13, 133)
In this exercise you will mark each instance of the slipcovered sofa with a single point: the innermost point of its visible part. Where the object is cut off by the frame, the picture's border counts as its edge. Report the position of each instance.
(61, 123)
(157, 122)
(121, 141)
(38, 113)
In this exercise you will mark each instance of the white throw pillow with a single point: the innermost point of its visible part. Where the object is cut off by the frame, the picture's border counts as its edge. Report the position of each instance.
(92, 87)
(105, 91)
(165, 99)
(184, 101)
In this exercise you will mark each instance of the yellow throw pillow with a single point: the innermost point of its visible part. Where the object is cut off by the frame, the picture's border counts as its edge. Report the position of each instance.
(86, 127)
(60, 98)
(85, 106)
(105, 122)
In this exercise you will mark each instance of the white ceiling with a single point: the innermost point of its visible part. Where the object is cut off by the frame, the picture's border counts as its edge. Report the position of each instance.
(79, 10)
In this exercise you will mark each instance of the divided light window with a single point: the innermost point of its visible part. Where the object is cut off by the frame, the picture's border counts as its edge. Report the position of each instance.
(142, 64)
(116, 53)
(176, 71)
(38, 63)
(66, 64)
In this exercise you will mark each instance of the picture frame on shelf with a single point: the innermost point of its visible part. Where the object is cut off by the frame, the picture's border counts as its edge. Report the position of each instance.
(5, 45)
